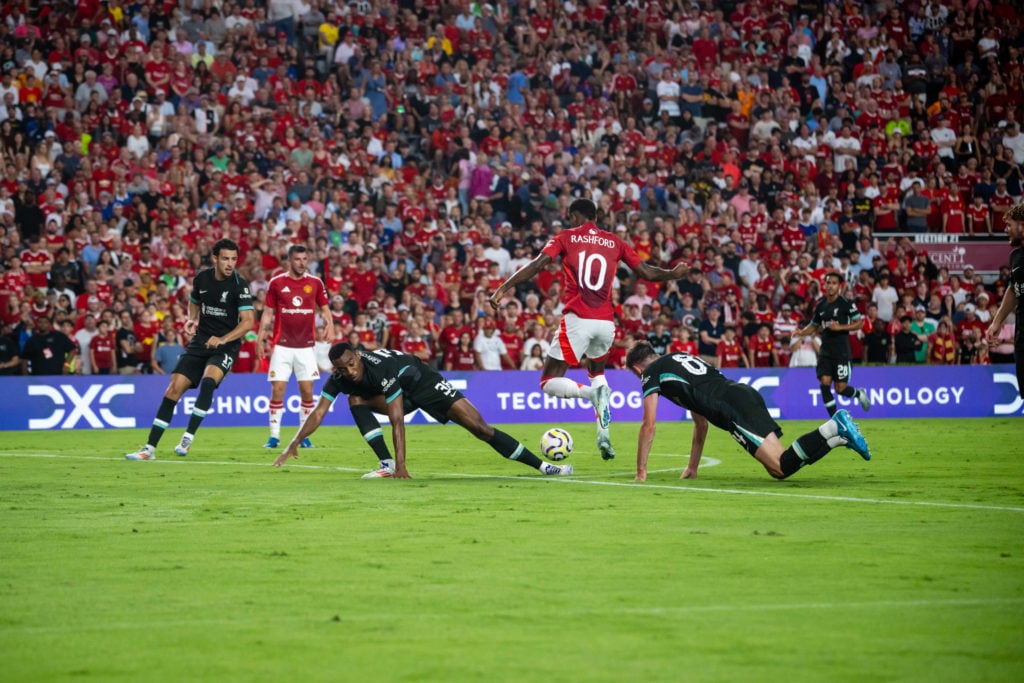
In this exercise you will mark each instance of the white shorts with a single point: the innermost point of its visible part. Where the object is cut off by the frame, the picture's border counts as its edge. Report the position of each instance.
(284, 361)
(578, 337)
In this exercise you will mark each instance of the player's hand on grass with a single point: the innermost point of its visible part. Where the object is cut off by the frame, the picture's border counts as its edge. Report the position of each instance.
(401, 472)
(689, 473)
(290, 452)
(641, 475)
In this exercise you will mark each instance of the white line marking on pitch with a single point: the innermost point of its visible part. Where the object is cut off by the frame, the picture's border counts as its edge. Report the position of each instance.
(375, 616)
(571, 480)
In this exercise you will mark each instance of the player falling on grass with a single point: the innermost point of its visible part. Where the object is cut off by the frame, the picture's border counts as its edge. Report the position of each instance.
(1014, 296)
(690, 382)
(220, 313)
(590, 260)
(394, 384)
(293, 298)
(835, 317)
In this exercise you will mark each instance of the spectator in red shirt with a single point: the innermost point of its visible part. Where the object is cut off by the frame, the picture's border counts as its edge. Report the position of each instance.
(730, 353)
(762, 349)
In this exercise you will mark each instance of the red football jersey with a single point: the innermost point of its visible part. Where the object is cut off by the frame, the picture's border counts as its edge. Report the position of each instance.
(729, 354)
(295, 302)
(762, 349)
(43, 257)
(459, 359)
(590, 258)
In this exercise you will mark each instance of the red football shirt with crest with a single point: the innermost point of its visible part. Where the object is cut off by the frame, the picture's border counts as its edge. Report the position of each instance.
(295, 302)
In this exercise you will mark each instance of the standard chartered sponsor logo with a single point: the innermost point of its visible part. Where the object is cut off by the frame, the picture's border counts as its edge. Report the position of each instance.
(298, 311)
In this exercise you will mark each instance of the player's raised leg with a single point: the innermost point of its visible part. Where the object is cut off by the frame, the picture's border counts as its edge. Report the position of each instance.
(840, 430)
(465, 414)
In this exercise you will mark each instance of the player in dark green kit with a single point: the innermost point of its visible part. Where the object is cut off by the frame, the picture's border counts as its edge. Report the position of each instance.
(220, 313)
(689, 382)
(1014, 297)
(835, 317)
(394, 384)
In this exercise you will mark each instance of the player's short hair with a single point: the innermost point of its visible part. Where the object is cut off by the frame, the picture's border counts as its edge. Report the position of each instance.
(585, 208)
(837, 276)
(1015, 213)
(640, 352)
(339, 350)
(296, 249)
(224, 244)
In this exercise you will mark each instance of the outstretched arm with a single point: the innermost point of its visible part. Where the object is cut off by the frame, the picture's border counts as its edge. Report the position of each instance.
(522, 275)
(656, 274)
(700, 433)
(809, 330)
(308, 427)
(646, 438)
(1005, 308)
(396, 414)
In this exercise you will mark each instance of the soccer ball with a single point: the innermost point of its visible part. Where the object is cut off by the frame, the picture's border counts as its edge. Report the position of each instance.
(556, 444)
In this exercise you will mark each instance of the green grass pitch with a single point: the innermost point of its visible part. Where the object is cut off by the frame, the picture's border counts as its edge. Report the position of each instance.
(219, 567)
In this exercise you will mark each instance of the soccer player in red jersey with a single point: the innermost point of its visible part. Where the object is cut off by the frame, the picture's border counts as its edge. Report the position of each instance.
(293, 299)
(590, 258)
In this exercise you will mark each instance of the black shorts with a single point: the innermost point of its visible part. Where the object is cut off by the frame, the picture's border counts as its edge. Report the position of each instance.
(741, 411)
(838, 369)
(433, 395)
(192, 364)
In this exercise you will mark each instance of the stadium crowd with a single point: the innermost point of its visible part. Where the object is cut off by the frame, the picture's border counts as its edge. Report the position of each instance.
(423, 150)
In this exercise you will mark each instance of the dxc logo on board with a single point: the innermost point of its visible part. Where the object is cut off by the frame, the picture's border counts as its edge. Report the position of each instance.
(1015, 405)
(80, 406)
